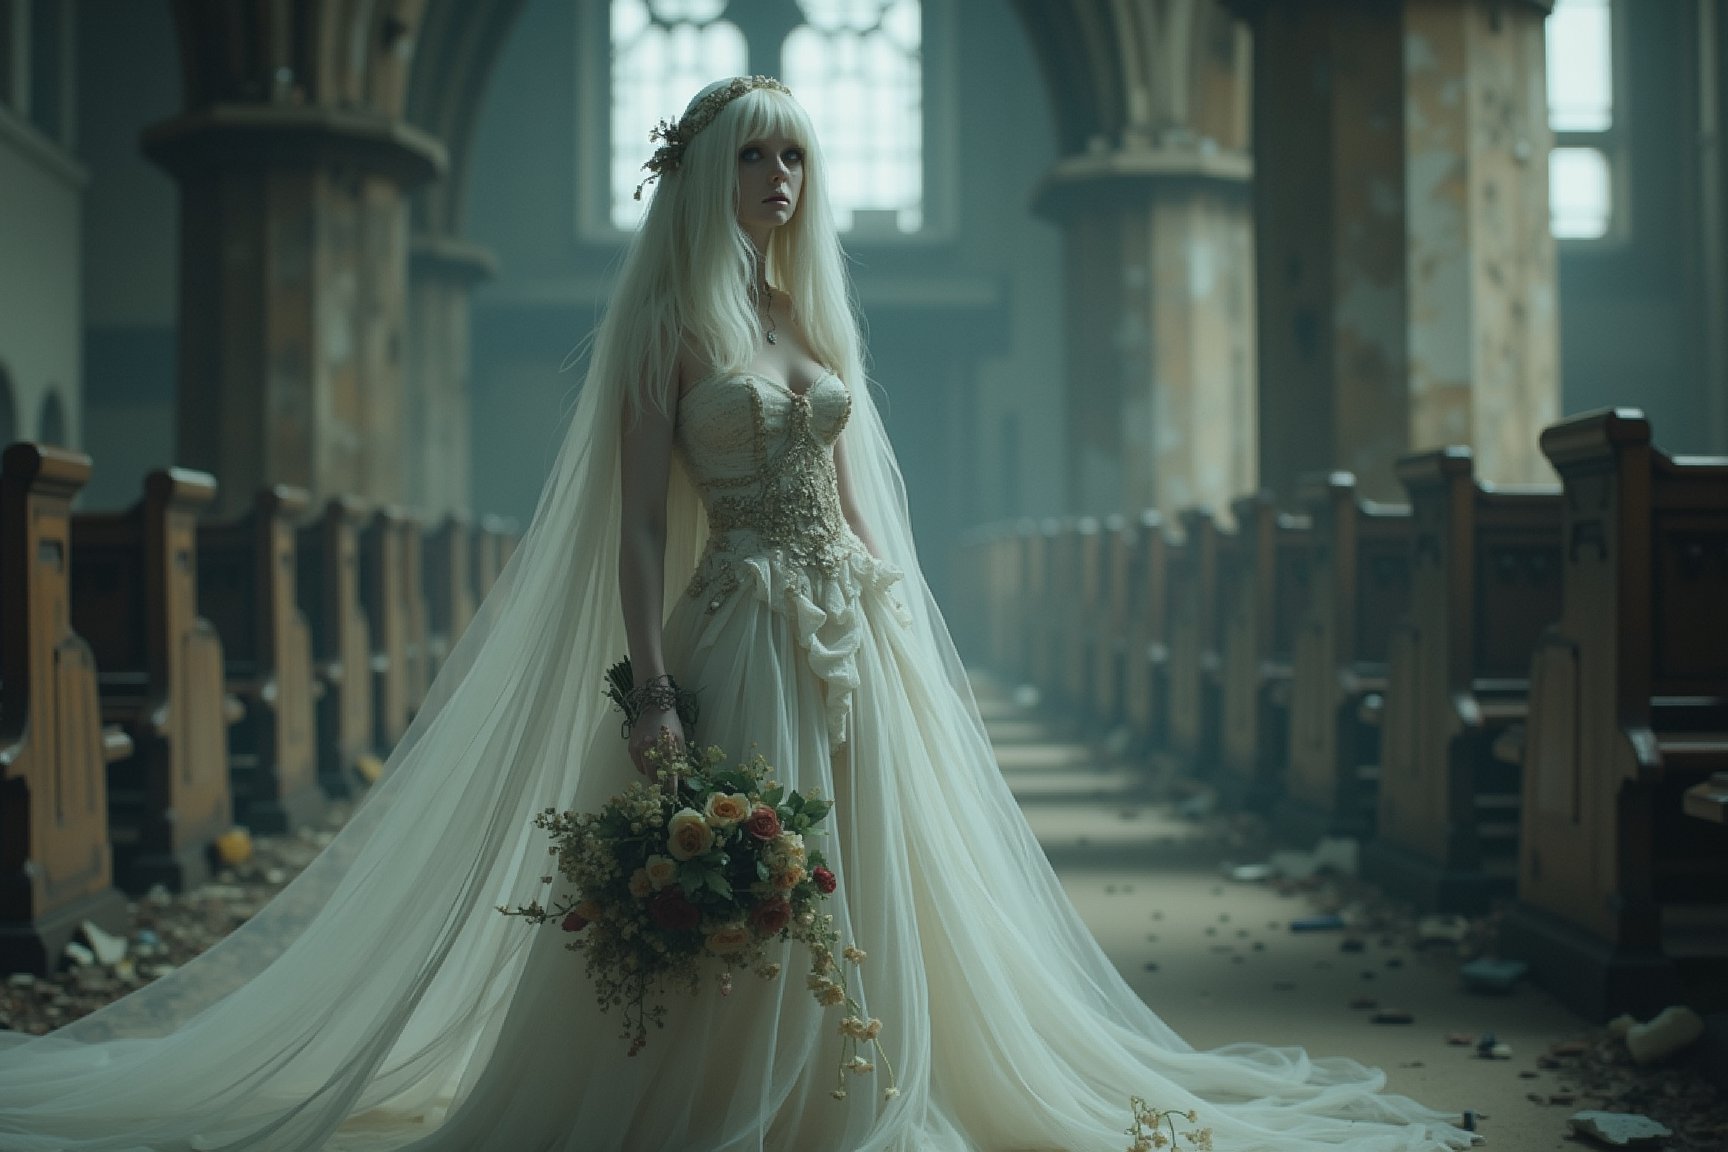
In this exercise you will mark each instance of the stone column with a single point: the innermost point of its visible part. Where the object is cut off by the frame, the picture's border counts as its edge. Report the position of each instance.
(1484, 333)
(1406, 275)
(1160, 298)
(443, 272)
(294, 267)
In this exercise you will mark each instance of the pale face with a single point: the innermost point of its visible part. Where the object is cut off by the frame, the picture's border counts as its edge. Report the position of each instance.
(770, 180)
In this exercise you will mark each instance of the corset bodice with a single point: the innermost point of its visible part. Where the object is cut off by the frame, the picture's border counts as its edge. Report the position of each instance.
(762, 458)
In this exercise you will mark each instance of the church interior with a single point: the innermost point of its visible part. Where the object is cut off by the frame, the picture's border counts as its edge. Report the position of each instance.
(1313, 416)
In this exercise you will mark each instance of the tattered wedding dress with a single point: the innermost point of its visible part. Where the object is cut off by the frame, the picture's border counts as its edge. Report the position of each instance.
(1007, 1026)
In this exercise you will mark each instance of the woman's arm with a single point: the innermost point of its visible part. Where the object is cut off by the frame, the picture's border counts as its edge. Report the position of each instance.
(645, 464)
(849, 499)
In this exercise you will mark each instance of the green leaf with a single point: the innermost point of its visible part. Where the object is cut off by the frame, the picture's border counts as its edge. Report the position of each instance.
(690, 880)
(718, 885)
(773, 796)
(762, 872)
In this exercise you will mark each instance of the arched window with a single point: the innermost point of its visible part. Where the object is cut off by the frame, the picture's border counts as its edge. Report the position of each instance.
(1585, 168)
(51, 424)
(663, 52)
(857, 66)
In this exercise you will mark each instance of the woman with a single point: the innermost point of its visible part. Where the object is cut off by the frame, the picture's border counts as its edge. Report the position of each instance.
(727, 483)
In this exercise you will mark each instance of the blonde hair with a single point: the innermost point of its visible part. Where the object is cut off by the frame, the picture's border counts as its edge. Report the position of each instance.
(685, 278)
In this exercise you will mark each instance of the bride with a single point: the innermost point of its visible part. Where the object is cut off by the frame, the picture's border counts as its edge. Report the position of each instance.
(725, 506)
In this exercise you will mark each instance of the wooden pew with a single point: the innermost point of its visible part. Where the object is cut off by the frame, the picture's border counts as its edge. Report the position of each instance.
(160, 678)
(1195, 684)
(1046, 633)
(1000, 620)
(1075, 610)
(56, 868)
(246, 579)
(329, 591)
(1261, 594)
(488, 555)
(1619, 891)
(382, 560)
(416, 622)
(1146, 677)
(1358, 588)
(1109, 620)
(449, 588)
(1484, 582)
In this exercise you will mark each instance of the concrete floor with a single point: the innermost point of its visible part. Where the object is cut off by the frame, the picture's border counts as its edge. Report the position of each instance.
(1218, 961)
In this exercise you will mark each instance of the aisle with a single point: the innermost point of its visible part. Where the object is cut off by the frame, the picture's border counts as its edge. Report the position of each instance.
(1218, 960)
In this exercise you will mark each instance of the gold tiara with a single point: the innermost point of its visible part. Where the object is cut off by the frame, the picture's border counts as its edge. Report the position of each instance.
(675, 135)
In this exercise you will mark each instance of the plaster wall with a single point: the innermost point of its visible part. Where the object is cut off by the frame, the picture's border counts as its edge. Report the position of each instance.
(41, 296)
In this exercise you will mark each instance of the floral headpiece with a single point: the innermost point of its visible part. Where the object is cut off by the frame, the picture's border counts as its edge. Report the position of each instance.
(675, 135)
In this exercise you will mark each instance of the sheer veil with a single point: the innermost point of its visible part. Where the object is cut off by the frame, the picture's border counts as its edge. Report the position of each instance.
(379, 978)
(380, 972)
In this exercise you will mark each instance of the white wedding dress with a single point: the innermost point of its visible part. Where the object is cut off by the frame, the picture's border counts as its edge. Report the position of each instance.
(398, 1008)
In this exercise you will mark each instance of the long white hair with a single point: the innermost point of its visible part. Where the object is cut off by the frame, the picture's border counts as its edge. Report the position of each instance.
(685, 279)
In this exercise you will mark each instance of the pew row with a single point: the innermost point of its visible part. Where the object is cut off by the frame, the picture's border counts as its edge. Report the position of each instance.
(160, 678)
(1358, 589)
(1195, 682)
(246, 585)
(329, 592)
(56, 867)
(1484, 582)
(1262, 587)
(1620, 893)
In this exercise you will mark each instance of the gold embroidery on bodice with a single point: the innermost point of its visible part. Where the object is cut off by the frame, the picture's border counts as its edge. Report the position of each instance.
(761, 457)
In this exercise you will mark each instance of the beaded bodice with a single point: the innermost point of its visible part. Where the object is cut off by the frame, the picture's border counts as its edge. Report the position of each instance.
(761, 456)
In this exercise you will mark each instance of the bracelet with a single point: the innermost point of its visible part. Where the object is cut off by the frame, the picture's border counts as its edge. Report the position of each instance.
(662, 692)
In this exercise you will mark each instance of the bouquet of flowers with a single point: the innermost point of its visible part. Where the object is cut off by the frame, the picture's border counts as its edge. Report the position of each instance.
(699, 871)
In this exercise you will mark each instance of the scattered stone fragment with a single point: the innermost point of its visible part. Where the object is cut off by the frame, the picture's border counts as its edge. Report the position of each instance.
(1562, 1098)
(1548, 1062)
(1352, 944)
(79, 954)
(1529, 1074)
(1444, 929)
(1151, 966)
(1331, 923)
(108, 947)
(1251, 873)
(1673, 1029)
(1565, 1048)
(1618, 1129)
(1486, 974)
(158, 896)
(1620, 1025)
(1393, 1016)
(1485, 1045)
(1461, 1039)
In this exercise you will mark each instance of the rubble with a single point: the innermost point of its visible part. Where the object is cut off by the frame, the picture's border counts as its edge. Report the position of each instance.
(1619, 1130)
(167, 931)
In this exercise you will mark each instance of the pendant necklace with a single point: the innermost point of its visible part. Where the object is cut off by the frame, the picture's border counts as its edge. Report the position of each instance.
(768, 297)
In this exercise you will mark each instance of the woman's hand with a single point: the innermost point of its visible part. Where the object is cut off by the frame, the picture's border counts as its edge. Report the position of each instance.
(650, 724)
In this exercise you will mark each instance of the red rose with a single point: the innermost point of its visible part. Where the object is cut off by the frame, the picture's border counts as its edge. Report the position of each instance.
(764, 823)
(575, 922)
(770, 917)
(824, 879)
(672, 912)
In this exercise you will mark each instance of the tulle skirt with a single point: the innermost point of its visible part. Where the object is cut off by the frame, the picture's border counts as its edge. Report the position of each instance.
(1006, 1027)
